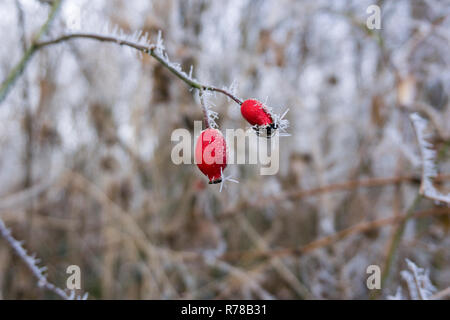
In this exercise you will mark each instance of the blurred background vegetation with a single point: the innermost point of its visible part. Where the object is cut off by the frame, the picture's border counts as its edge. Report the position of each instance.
(86, 176)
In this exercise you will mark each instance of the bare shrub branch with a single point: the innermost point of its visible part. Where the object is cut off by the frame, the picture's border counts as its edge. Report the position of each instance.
(32, 263)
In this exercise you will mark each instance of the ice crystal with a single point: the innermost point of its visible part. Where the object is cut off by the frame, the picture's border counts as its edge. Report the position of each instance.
(224, 179)
(418, 282)
(207, 104)
(428, 156)
(32, 263)
(398, 295)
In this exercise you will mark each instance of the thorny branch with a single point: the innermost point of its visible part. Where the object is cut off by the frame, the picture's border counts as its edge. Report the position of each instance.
(150, 49)
(428, 155)
(296, 194)
(31, 262)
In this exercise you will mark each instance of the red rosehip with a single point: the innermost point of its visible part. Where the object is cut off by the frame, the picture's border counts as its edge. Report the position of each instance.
(259, 117)
(211, 154)
(256, 113)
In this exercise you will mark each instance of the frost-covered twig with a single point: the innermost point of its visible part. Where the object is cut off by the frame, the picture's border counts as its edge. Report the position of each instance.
(136, 41)
(140, 42)
(209, 116)
(418, 282)
(32, 264)
(428, 156)
(397, 296)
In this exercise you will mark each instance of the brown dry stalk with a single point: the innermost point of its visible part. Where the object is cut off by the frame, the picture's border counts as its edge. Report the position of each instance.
(441, 294)
(367, 183)
(331, 239)
(21, 65)
(342, 186)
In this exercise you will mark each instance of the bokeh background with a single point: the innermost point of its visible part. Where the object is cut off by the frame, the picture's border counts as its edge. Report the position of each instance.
(86, 176)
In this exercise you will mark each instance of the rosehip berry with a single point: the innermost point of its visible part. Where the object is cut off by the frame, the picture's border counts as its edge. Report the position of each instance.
(258, 116)
(211, 154)
(255, 113)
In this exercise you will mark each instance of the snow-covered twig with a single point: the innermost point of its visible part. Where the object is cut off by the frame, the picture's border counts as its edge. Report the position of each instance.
(209, 116)
(141, 43)
(32, 264)
(418, 282)
(137, 40)
(428, 156)
(397, 296)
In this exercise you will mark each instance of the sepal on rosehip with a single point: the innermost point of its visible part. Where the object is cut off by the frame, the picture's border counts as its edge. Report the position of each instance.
(224, 179)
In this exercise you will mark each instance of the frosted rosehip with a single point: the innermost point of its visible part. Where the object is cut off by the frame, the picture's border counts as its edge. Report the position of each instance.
(255, 113)
(211, 154)
(258, 116)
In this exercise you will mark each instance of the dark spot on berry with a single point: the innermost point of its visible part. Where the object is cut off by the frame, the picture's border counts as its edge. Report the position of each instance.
(216, 181)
